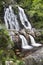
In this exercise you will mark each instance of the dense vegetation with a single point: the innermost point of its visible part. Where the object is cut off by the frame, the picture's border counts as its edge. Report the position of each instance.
(6, 51)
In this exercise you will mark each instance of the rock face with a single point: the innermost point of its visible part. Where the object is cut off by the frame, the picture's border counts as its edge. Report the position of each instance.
(10, 1)
(35, 58)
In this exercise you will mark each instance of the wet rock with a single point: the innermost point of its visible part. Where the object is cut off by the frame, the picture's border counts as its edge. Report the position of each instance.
(23, 32)
(31, 32)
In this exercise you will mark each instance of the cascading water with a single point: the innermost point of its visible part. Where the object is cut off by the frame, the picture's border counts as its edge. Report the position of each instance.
(12, 23)
(11, 19)
(25, 43)
(33, 43)
(24, 19)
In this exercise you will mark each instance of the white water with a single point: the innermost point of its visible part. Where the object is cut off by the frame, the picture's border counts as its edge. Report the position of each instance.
(8, 62)
(11, 19)
(25, 43)
(24, 19)
(33, 43)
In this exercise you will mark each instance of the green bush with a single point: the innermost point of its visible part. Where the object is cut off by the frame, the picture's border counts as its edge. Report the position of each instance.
(5, 42)
(4, 38)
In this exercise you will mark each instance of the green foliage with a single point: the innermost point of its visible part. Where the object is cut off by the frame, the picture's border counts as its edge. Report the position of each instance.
(37, 7)
(36, 12)
(5, 52)
(4, 38)
(25, 3)
(1, 6)
(20, 63)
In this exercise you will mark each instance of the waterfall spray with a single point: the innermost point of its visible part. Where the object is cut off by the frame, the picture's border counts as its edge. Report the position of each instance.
(33, 43)
(25, 43)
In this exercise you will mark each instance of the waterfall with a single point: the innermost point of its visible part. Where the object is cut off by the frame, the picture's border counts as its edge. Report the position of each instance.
(24, 19)
(25, 43)
(33, 43)
(11, 19)
(11, 22)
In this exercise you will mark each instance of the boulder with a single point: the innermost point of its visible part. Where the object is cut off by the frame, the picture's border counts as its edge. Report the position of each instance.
(35, 58)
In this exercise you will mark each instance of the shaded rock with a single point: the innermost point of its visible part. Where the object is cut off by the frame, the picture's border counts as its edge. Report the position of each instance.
(31, 32)
(35, 58)
(37, 32)
(17, 44)
(10, 1)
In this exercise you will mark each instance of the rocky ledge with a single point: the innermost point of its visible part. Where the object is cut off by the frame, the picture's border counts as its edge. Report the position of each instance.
(35, 58)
